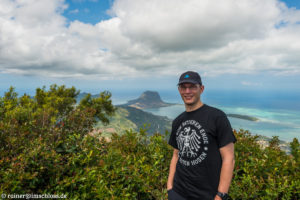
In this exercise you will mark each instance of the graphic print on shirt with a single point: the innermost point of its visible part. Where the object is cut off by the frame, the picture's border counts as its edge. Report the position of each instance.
(192, 143)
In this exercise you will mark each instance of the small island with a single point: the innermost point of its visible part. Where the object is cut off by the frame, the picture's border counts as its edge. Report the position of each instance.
(245, 117)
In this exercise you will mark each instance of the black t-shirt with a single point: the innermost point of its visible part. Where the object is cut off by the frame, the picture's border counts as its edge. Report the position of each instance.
(198, 135)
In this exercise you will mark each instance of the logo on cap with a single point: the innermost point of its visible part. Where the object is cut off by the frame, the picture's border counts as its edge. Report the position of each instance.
(186, 76)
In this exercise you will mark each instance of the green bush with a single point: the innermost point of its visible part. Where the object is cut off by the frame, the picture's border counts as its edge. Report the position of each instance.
(45, 148)
(263, 173)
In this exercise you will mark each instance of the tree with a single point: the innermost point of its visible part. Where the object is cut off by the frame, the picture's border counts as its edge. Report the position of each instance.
(295, 149)
(38, 135)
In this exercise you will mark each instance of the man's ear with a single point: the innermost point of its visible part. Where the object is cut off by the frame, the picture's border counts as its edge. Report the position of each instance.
(202, 88)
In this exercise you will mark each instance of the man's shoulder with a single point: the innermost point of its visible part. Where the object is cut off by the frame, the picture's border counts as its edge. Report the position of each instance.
(179, 117)
(214, 111)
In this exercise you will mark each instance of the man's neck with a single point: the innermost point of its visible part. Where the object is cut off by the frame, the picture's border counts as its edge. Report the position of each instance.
(190, 108)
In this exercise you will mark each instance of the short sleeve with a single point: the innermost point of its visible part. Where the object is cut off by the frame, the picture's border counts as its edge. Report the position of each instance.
(224, 131)
(172, 140)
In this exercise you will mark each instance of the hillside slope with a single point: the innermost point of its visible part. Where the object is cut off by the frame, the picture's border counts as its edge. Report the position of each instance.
(127, 117)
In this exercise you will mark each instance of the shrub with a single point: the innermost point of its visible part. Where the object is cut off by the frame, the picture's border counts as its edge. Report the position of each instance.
(267, 173)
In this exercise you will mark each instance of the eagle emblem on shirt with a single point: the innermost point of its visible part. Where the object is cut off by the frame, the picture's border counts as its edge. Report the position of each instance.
(188, 142)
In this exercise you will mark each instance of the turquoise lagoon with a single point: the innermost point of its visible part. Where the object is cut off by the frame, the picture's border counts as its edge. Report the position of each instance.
(282, 123)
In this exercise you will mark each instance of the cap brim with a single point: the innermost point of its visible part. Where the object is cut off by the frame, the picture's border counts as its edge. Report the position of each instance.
(188, 81)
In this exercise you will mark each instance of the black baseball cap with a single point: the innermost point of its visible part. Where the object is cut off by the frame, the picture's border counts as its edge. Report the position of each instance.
(190, 77)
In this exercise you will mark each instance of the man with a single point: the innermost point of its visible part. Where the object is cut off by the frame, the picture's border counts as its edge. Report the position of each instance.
(203, 157)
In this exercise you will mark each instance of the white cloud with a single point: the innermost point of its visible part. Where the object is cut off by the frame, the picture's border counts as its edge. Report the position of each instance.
(75, 11)
(182, 25)
(150, 37)
(247, 83)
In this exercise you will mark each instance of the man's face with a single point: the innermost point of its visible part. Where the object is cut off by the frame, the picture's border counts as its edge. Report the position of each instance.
(190, 93)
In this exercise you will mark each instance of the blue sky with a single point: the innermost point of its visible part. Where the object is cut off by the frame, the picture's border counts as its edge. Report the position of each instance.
(122, 45)
(292, 3)
(87, 11)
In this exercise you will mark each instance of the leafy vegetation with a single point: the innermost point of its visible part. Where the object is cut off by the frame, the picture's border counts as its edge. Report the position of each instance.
(45, 148)
(265, 173)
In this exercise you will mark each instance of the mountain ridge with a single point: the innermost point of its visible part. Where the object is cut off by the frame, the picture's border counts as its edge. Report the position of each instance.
(148, 99)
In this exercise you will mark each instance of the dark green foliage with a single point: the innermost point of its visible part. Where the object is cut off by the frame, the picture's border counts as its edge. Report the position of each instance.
(45, 148)
(40, 135)
(135, 166)
(263, 173)
(101, 105)
(295, 150)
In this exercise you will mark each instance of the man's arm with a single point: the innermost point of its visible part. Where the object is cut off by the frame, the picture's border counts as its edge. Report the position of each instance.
(227, 154)
(172, 169)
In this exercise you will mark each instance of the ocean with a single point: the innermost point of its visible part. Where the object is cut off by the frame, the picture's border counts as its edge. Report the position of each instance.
(278, 111)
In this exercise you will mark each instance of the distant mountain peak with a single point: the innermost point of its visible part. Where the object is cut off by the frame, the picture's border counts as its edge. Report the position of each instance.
(148, 99)
(150, 95)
